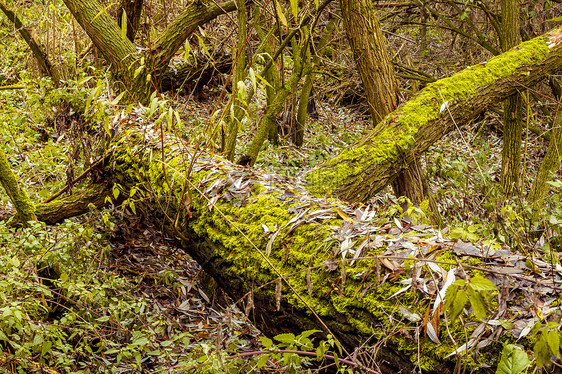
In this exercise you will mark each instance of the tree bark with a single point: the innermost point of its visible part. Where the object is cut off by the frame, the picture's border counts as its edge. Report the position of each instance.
(513, 106)
(359, 173)
(133, 10)
(371, 56)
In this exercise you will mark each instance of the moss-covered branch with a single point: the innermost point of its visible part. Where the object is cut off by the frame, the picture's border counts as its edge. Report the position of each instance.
(360, 172)
(17, 194)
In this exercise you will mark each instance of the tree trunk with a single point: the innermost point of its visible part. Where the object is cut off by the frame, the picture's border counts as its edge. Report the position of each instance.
(45, 66)
(133, 10)
(377, 74)
(234, 121)
(371, 56)
(513, 106)
(17, 194)
(359, 173)
(246, 233)
(549, 165)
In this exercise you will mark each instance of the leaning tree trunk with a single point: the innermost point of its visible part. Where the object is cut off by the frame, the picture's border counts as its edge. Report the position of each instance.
(359, 173)
(138, 74)
(45, 66)
(17, 194)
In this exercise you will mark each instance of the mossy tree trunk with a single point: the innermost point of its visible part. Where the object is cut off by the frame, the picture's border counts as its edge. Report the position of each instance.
(513, 106)
(549, 166)
(359, 173)
(17, 194)
(139, 74)
(238, 75)
(227, 238)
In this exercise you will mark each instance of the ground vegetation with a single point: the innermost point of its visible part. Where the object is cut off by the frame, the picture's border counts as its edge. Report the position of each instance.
(131, 245)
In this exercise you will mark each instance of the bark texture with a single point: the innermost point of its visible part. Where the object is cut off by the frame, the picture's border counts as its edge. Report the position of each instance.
(513, 106)
(133, 10)
(371, 56)
(360, 172)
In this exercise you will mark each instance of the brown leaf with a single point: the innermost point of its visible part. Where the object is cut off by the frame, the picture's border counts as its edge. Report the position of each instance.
(278, 292)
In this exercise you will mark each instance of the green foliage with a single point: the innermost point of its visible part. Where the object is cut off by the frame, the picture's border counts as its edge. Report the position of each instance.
(514, 360)
(476, 292)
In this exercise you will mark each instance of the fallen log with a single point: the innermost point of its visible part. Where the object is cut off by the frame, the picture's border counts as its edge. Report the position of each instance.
(297, 262)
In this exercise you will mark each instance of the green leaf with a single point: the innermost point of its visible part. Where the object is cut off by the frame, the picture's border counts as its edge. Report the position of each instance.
(262, 361)
(477, 302)
(118, 98)
(124, 25)
(103, 10)
(141, 341)
(202, 44)
(253, 79)
(267, 343)
(285, 338)
(295, 8)
(280, 14)
(555, 19)
(553, 341)
(542, 352)
(458, 304)
(138, 71)
(321, 351)
(46, 347)
(263, 80)
(514, 360)
(479, 283)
